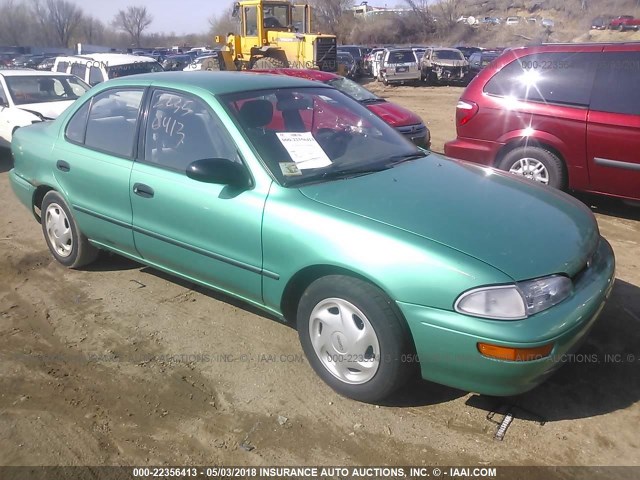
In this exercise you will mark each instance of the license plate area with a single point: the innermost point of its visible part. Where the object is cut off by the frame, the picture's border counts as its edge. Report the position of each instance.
(402, 69)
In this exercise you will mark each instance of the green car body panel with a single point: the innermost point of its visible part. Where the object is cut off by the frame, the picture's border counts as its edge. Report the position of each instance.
(424, 232)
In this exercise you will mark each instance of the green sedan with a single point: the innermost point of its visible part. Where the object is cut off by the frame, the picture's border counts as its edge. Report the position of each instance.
(296, 199)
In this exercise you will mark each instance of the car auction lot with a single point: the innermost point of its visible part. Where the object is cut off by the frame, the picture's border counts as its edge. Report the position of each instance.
(119, 364)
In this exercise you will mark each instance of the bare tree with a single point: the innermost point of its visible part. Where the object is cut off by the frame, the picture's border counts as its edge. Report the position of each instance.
(93, 30)
(64, 18)
(134, 21)
(450, 10)
(223, 24)
(330, 14)
(423, 14)
(14, 23)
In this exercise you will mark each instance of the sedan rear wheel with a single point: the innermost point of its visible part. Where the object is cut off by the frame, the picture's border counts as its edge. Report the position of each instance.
(354, 337)
(66, 242)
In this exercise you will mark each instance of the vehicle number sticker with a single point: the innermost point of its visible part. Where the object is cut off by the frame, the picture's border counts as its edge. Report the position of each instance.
(304, 150)
(289, 169)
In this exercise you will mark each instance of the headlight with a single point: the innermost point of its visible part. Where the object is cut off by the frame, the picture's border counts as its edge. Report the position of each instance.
(515, 302)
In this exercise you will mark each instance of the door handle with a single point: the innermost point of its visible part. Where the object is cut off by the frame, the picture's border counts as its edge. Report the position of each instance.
(143, 190)
(63, 166)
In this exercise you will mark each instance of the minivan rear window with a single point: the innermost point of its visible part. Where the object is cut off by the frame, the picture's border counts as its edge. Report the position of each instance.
(554, 77)
(404, 56)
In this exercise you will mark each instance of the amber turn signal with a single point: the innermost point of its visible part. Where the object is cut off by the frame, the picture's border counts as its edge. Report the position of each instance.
(514, 354)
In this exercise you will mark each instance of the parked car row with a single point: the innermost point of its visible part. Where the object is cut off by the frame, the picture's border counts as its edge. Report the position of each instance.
(420, 65)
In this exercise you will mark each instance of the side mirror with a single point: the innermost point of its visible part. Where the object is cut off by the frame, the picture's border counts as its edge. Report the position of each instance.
(220, 171)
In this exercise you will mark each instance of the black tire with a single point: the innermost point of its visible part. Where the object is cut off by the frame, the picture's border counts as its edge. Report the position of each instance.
(267, 63)
(380, 313)
(81, 251)
(554, 166)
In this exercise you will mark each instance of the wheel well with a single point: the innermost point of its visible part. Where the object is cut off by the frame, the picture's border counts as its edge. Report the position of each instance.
(38, 195)
(523, 142)
(305, 277)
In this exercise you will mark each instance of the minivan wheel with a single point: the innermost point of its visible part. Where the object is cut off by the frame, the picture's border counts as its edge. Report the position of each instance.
(354, 337)
(66, 242)
(535, 163)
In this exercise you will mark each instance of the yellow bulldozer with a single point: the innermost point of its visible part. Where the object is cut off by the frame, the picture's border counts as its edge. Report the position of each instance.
(275, 34)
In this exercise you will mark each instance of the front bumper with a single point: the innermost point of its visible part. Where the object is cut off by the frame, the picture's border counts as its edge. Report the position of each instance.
(446, 341)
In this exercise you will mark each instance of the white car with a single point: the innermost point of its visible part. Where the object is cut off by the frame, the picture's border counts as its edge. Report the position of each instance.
(99, 67)
(31, 96)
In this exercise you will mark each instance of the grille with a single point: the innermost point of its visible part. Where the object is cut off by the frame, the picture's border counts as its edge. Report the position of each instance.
(325, 55)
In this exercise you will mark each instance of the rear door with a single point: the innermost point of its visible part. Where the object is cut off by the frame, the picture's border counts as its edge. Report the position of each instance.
(613, 126)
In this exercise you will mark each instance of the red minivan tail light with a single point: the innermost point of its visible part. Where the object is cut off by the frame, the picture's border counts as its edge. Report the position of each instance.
(465, 111)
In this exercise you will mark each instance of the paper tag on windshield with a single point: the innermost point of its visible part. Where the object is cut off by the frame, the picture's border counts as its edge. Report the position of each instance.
(289, 169)
(304, 150)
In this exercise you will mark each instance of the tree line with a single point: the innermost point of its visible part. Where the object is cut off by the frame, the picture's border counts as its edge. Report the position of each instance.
(63, 23)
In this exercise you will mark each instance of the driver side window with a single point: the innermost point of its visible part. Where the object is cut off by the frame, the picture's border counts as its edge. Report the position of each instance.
(182, 129)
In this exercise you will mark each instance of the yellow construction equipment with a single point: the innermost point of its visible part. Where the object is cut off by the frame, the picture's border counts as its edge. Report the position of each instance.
(276, 34)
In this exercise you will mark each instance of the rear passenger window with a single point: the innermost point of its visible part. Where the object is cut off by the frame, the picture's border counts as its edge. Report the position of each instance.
(95, 76)
(62, 67)
(560, 77)
(113, 121)
(617, 85)
(181, 129)
(79, 70)
(78, 124)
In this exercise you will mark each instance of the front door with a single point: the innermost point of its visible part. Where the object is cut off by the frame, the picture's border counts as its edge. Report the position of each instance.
(207, 232)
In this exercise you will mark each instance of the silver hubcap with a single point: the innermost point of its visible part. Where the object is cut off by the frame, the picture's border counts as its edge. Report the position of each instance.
(344, 341)
(532, 169)
(58, 230)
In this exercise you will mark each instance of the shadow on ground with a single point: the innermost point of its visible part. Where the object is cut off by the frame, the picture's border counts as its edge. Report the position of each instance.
(6, 161)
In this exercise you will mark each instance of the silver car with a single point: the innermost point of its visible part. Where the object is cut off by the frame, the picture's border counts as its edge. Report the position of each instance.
(400, 65)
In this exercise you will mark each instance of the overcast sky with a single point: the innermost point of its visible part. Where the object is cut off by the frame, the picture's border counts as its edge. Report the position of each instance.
(179, 16)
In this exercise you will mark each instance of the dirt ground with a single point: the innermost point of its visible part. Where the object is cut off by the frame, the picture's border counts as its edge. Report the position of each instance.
(119, 364)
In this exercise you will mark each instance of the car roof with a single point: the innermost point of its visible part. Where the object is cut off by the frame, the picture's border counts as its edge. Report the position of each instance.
(112, 59)
(31, 73)
(218, 83)
(317, 75)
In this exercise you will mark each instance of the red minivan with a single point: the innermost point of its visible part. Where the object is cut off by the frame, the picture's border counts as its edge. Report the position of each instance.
(567, 115)
(405, 121)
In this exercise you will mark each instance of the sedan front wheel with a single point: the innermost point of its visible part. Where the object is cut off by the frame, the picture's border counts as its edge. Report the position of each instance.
(354, 337)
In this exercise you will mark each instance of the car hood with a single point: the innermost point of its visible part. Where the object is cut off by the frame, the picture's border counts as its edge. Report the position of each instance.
(450, 63)
(49, 110)
(393, 114)
(524, 229)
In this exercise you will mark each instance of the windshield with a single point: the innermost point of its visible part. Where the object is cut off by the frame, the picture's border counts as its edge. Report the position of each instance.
(316, 134)
(45, 88)
(447, 55)
(136, 68)
(351, 88)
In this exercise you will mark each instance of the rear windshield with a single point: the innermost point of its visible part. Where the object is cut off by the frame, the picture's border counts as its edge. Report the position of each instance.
(116, 71)
(401, 56)
(447, 55)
